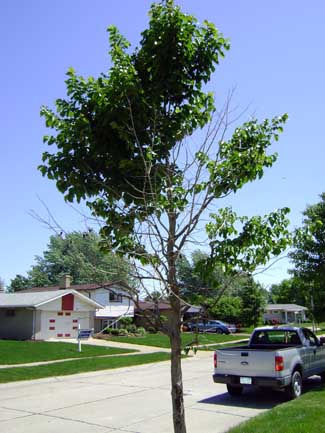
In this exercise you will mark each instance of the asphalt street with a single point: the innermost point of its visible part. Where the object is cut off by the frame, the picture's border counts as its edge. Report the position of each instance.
(129, 400)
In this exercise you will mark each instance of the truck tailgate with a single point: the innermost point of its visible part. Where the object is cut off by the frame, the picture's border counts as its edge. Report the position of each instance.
(246, 362)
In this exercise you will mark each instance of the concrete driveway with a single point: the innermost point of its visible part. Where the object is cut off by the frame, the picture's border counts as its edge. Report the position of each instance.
(134, 400)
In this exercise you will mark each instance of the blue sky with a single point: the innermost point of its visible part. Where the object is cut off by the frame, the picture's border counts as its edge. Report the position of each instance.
(276, 63)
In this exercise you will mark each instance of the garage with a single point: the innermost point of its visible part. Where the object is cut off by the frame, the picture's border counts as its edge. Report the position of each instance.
(45, 315)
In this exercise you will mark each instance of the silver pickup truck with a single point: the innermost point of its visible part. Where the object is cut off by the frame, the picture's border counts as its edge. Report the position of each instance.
(275, 357)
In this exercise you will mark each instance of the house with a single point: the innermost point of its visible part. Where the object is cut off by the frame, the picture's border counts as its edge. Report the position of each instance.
(146, 312)
(285, 313)
(44, 315)
(114, 298)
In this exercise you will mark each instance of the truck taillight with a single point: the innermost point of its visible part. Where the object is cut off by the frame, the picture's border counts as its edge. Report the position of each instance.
(215, 360)
(279, 364)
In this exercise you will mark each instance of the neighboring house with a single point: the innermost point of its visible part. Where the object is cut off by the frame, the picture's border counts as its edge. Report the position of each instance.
(285, 313)
(113, 297)
(145, 310)
(44, 315)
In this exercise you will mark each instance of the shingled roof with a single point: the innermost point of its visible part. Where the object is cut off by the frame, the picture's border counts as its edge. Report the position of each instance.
(77, 287)
(36, 299)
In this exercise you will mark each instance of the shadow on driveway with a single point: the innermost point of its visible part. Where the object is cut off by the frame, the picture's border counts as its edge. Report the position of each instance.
(254, 398)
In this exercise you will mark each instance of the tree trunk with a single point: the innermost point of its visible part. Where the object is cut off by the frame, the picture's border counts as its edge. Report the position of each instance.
(176, 376)
(175, 332)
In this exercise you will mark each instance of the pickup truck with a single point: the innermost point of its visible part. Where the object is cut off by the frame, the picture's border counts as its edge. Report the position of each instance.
(277, 357)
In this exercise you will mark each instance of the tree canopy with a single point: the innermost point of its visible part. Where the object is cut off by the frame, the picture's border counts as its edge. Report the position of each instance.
(233, 297)
(120, 143)
(308, 258)
(289, 291)
(77, 254)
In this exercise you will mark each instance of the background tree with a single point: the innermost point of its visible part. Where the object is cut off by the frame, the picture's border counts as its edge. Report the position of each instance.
(289, 291)
(253, 299)
(120, 144)
(20, 282)
(191, 278)
(77, 254)
(308, 257)
(221, 299)
(228, 308)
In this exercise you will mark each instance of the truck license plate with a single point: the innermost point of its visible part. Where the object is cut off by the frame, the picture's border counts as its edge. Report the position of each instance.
(245, 380)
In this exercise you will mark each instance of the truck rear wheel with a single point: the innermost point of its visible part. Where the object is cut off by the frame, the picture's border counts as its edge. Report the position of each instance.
(294, 390)
(234, 390)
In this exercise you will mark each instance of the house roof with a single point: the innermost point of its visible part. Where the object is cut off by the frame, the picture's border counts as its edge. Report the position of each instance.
(148, 305)
(36, 299)
(164, 305)
(285, 307)
(77, 287)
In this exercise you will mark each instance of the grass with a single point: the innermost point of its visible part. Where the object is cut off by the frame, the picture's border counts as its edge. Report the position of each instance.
(22, 352)
(161, 340)
(13, 374)
(304, 415)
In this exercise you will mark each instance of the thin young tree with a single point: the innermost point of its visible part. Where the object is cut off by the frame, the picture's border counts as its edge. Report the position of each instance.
(122, 144)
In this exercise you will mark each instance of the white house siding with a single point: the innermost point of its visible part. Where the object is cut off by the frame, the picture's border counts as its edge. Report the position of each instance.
(112, 309)
(56, 323)
(102, 296)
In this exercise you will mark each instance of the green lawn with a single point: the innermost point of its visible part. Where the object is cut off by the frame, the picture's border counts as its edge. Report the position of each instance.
(304, 415)
(21, 352)
(78, 366)
(161, 340)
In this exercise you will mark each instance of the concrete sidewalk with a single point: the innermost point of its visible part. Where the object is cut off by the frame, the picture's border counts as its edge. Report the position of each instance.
(116, 344)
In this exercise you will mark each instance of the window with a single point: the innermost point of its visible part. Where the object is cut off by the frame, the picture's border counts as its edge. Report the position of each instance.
(109, 322)
(310, 337)
(276, 336)
(67, 302)
(10, 313)
(115, 297)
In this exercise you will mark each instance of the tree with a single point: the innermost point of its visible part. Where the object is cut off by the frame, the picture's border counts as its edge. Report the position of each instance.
(308, 257)
(228, 308)
(19, 283)
(192, 279)
(289, 291)
(217, 292)
(77, 254)
(253, 300)
(120, 144)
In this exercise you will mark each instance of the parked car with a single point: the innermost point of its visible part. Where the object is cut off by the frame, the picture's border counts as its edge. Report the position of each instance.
(212, 326)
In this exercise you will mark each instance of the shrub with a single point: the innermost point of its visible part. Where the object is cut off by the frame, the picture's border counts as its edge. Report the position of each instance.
(152, 330)
(122, 331)
(132, 328)
(113, 331)
(125, 322)
(141, 332)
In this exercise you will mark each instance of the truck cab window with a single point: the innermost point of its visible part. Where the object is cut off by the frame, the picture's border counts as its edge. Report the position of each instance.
(310, 337)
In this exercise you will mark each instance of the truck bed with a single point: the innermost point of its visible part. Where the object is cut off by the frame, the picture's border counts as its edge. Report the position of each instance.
(267, 347)
(252, 360)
